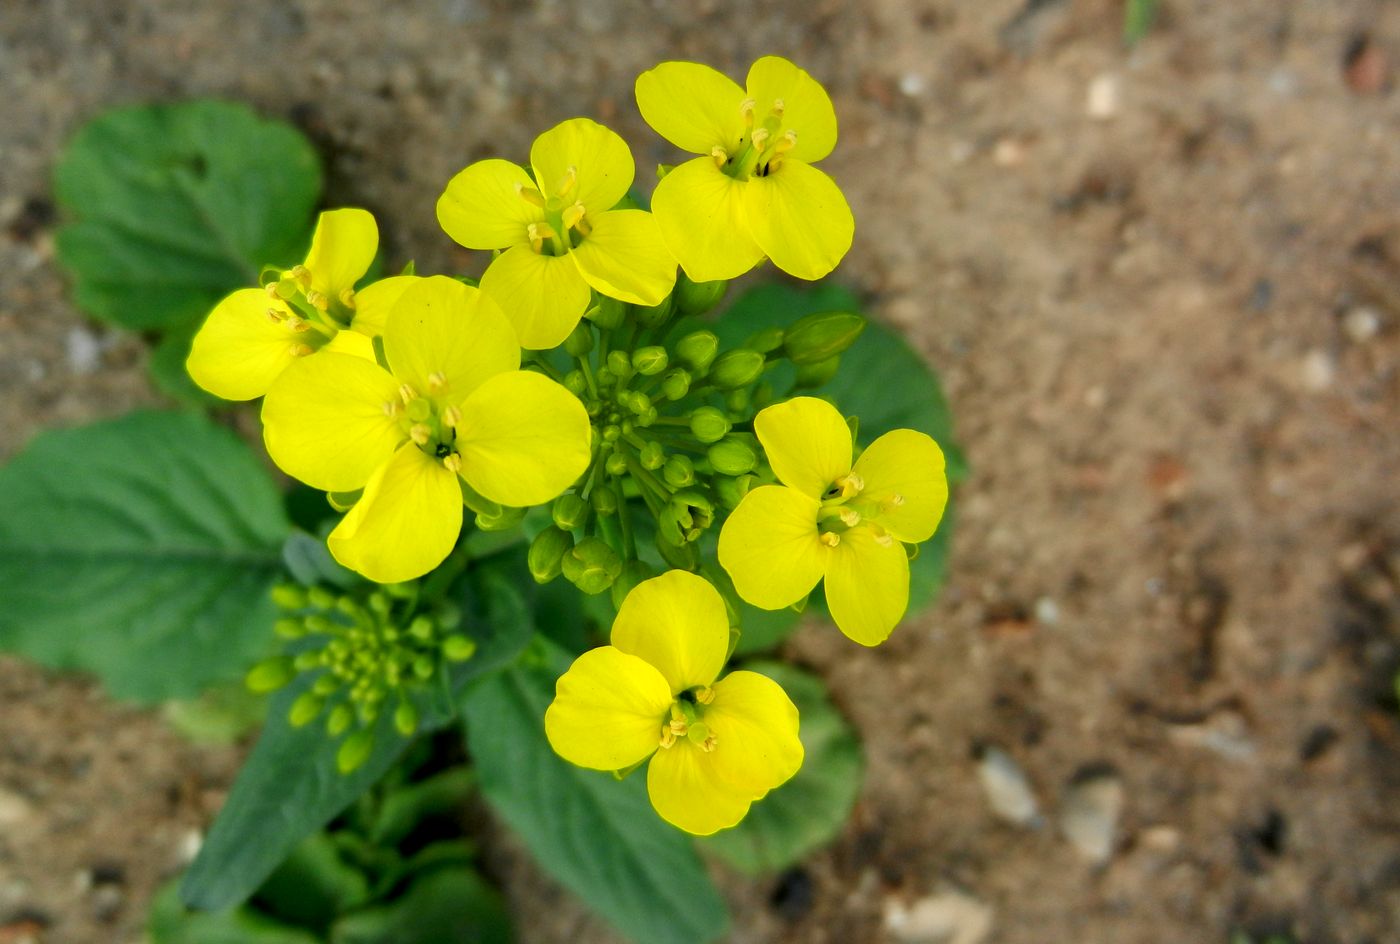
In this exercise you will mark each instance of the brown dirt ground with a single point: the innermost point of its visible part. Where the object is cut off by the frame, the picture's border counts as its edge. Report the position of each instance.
(1148, 278)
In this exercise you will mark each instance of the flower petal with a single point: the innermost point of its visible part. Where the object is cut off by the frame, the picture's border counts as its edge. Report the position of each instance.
(374, 302)
(523, 439)
(599, 159)
(806, 106)
(352, 342)
(342, 248)
(692, 106)
(240, 351)
(800, 218)
(678, 623)
(624, 258)
(482, 207)
(770, 548)
(807, 442)
(867, 586)
(686, 790)
(324, 420)
(701, 215)
(441, 326)
(543, 297)
(608, 710)
(405, 524)
(754, 724)
(907, 464)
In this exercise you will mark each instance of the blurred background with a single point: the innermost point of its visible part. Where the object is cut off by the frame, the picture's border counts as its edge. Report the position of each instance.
(1162, 285)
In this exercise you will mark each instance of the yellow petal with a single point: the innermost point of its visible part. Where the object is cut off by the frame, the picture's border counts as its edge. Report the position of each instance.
(806, 106)
(582, 161)
(754, 724)
(867, 586)
(701, 215)
(523, 439)
(446, 339)
(678, 623)
(608, 710)
(341, 250)
(770, 548)
(482, 207)
(686, 790)
(904, 474)
(374, 302)
(324, 420)
(240, 350)
(544, 297)
(807, 442)
(623, 257)
(692, 106)
(351, 342)
(800, 219)
(405, 524)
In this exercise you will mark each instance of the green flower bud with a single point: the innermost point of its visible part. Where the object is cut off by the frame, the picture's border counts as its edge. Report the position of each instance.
(737, 401)
(306, 661)
(421, 628)
(319, 625)
(270, 674)
(607, 313)
(475, 501)
(423, 667)
(731, 456)
(340, 718)
(406, 718)
(355, 751)
(320, 598)
(580, 340)
(698, 349)
(821, 336)
(679, 556)
(605, 378)
(733, 489)
(289, 627)
(611, 433)
(504, 521)
(679, 471)
(769, 339)
(709, 424)
(648, 416)
(811, 376)
(655, 315)
(696, 298)
(289, 596)
(620, 364)
(686, 517)
(615, 465)
(633, 573)
(449, 615)
(325, 685)
(458, 648)
(592, 565)
(570, 511)
(547, 550)
(305, 709)
(653, 456)
(575, 382)
(737, 368)
(676, 384)
(651, 360)
(604, 499)
(638, 402)
(762, 395)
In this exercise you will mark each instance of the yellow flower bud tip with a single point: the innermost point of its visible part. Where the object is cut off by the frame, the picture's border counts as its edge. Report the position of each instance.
(452, 417)
(831, 539)
(301, 350)
(453, 462)
(437, 382)
(347, 298)
(420, 434)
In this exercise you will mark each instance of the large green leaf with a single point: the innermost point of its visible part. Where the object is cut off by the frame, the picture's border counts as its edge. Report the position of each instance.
(170, 923)
(450, 906)
(597, 836)
(809, 810)
(290, 786)
(172, 206)
(140, 549)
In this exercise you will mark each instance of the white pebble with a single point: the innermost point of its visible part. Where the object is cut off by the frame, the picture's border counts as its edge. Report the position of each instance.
(911, 84)
(1362, 324)
(1047, 612)
(1317, 370)
(84, 350)
(1089, 816)
(1102, 100)
(949, 917)
(1007, 789)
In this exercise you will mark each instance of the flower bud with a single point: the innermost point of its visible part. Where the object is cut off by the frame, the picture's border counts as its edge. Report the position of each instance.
(811, 376)
(732, 490)
(406, 718)
(824, 335)
(580, 340)
(698, 349)
(608, 313)
(458, 648)
(653, 456)
(708, 424)
(289, 596)
(355, 751)
(686, 517)
(654, 315)
(696, 298)
(547, 552)
(340, 718)
(679, 471)
(737, 368)
(605, 499)
(575, 383)
(737, 401)
(305, 709)
(680, 556)
(633, 573)
(676, 384)
(619, 364)
(320, 598)
(616, 464)
(650, 360)
(506, 519)
(592, 566)
(289, 627)
(769, 339)
(570, 511)
(477, 502)
(732, 456)
(270, 674)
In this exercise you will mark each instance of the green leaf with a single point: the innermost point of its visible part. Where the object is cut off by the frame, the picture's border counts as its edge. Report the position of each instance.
(444, 907)
(170, 923)
(309, 560)
(313, 886)
(167, 369)
(597, 836)
(290, 787)
(140, 549)
(173, 206)
(809, 810)
(403, 809)
(221, 715)
(1137, 19)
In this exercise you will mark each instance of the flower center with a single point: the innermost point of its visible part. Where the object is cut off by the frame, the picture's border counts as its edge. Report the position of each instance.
(430, 421)
(760, 149)
(687, 719)
(565, 221)
(309, 316)
(846, 505)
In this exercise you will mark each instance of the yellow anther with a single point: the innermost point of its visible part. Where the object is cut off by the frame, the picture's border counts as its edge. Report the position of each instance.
(778, 107)
(391, 409)
(301, 350)
(318, 301)
(567, 182)
(298, 325)
(786, 143)
(705, 695)
(302, 274)
(573, 216)
(668, 738)
(720, 156)
(530, 195)
(437, 382)
(883, 539)
(850, 484)
(831, 539)
(420, 434)
(347, 298)
(407, 394)
(276, 315)
(272, 292)
(746, 109)
(896, 499)
(708, 744)
(759, 138)
(453, 462)
(452, 417)
(850, 517)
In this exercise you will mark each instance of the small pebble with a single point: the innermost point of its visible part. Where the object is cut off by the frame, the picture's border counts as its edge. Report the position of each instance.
(1317, 371)
(1089, 816)
(14, 809)
(949, 917)
(1009, 153)
(84, 350)
(1361, 324)
(1225, 734)
(1102, 100)
(1047, 612)
(1007, 788)
(911, 84)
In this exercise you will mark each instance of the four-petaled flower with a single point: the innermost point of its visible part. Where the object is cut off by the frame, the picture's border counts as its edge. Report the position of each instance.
(830, 519)
(252, 335)
(754, 192)
(452, 403)
(715, 746)
(559, 230)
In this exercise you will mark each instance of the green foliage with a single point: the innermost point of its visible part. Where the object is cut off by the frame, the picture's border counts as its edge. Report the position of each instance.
(140, 549)
(167, 369)
(172, 206)
(809, 810)
(1137, 19)
(170, 924)
(598, 837)
(446, 907)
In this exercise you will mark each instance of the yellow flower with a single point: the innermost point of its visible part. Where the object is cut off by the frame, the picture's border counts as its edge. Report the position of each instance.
(715, 746)
(453, 402)
(833, 520)
(754, 193)
(559, 231)
(253, 334)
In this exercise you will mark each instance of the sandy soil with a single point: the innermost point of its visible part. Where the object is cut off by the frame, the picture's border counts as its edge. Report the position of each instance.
(1163, 288)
